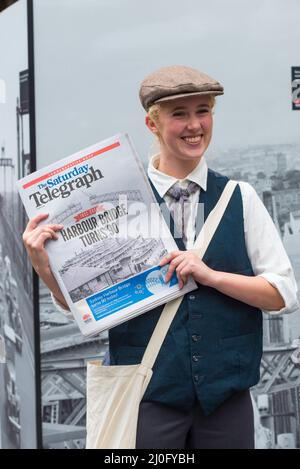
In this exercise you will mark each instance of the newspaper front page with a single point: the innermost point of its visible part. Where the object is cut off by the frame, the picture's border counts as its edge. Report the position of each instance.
(114, 235)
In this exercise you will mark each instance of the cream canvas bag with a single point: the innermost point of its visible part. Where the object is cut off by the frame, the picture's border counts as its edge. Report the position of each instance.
(114, 393)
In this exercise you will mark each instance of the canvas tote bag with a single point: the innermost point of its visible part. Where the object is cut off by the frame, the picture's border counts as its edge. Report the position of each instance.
(114, 393)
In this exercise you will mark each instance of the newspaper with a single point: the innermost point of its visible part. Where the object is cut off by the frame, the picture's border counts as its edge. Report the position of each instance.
(114, 235)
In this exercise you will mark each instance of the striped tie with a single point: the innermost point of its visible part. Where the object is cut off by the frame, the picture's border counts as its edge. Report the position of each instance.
(181, 196)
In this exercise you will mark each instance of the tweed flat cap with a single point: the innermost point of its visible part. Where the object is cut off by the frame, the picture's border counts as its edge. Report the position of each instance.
(174, 82)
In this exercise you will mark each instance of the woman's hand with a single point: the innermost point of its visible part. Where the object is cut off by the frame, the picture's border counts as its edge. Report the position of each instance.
(187, 263)
(34, 238)
(253, 290)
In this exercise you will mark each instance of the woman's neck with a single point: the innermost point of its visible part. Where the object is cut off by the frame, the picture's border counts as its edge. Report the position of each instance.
(176, 168)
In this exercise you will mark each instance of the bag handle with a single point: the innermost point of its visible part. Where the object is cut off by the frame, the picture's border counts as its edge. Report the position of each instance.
(201, 245)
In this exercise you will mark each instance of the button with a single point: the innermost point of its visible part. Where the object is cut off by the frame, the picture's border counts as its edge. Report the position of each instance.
(195, 358)
(192, 297)
(196, 337)
(196, 316)
(199, 378)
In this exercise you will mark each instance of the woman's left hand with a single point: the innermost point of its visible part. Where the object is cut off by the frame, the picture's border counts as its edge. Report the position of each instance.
(187, 263)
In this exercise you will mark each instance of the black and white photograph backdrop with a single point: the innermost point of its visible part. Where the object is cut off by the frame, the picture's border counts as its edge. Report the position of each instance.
(17, 345)
(87, 80)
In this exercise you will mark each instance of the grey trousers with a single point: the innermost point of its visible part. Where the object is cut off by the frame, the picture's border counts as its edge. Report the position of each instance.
(231, 426)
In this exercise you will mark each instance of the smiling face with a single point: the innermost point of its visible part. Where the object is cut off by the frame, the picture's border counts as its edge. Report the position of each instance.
(184, 128)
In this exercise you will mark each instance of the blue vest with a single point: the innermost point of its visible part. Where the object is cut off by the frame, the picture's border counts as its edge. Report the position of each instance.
(214, 345)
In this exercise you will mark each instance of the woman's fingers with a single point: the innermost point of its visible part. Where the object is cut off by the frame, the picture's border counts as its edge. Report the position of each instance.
(35, 236)
(32, 238)
(182, 281)
(34, 222)
(37, 245)
(173, 265)
(55, 227)
(183, 262)
(168, 258)
(182, 273)
(27, 237)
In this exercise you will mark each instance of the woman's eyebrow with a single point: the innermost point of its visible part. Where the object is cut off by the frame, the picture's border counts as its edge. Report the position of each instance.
(178, 108)
(183, 108)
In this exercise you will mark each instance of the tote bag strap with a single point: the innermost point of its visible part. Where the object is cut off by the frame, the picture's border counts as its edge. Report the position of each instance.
(200, 246)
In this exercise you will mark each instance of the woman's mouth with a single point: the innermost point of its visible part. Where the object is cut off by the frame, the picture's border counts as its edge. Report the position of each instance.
(192, 140)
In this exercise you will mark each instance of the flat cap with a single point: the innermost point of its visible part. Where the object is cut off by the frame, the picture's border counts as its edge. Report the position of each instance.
(176, 81)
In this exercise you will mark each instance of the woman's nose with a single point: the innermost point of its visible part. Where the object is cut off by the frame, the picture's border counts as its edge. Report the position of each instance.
(194, 123)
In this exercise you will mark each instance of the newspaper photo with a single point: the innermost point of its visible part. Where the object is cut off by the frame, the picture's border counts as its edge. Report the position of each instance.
(106, 260)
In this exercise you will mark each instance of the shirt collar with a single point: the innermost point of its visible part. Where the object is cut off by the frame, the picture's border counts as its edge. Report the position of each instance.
(163, 182)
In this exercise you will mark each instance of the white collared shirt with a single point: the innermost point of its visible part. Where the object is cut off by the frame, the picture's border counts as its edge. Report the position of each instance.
(268, 259)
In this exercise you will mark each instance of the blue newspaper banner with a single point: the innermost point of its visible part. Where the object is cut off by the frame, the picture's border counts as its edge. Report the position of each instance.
(148, 283)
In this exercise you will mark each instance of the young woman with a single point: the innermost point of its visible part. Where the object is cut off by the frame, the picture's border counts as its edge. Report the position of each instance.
(199, 395)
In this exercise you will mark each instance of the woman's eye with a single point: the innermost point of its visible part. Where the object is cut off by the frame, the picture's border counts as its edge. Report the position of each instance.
(182, 114)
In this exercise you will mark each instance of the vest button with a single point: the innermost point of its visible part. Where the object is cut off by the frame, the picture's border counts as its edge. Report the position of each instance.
(192, 297)
(196, 337)
(195, 358)
(198, 378)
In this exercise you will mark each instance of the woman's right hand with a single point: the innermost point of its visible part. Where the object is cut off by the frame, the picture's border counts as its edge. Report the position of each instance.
(34, 237)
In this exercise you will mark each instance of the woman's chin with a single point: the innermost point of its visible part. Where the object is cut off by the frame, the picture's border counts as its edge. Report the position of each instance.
(195, 153)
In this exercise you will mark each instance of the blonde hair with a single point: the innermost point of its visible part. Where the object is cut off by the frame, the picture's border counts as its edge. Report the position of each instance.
(154, 111)
(153, 114)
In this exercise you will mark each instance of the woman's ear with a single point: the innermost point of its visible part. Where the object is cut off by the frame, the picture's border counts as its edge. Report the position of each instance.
(151, 125)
